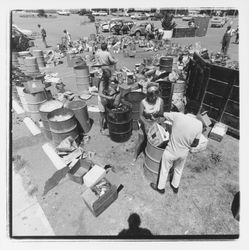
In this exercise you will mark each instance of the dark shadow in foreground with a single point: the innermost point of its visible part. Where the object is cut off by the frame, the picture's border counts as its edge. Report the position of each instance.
(135, 231)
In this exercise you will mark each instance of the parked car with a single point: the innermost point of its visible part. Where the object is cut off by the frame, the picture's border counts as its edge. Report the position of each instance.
(156, 17)
(119, 13)
(99, 13)
(139, 16)
(84, 12)
(187, 18)
(105, 27)
(63, 13)
(218, 21)
(121, 27)
(139, 29)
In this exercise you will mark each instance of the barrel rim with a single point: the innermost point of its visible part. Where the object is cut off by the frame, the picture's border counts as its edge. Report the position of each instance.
(36, 103)
(28, 93)
(148, 141)
(52, 113)
(122, 133)
(120, 112)
(50, 110)
(132, 92)
(81, 101)
(123, 122)
(78, 67)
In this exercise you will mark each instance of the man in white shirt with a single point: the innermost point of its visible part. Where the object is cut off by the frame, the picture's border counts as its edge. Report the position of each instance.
(104, 57)
(186, 132)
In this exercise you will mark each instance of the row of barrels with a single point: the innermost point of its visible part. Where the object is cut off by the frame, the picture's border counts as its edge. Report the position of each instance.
(29, 63)
(59, 122)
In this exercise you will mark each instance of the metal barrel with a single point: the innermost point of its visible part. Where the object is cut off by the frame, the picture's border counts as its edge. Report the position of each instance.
(120, 123)
(62, 123)
(152, 161)
(166, 90)
(38, 54)
(20, 93)
(14, 60)
(82, 78)
(21, 57)
(34, 101)
(135, 98)
(80, 110)
(166, 63)
(44, 109)
(31, 66)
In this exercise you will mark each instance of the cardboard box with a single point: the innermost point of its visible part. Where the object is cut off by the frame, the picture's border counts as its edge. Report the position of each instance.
(95, 174)
(157, 135)
(203, 117)
(218, 131)
(77, 172)
(97, 204)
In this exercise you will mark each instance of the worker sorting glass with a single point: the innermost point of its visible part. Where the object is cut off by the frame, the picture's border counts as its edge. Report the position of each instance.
(108, 96)
(151, 111)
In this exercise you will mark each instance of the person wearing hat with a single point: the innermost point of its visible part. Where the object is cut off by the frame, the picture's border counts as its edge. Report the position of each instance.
(186, 132)
(226, 39)
(158, 74)
(151, 110)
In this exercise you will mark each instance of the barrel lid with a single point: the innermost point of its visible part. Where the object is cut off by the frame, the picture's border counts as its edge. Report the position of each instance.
(50, 106)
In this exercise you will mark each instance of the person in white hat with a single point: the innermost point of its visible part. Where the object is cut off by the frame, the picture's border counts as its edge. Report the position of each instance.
(151, 110)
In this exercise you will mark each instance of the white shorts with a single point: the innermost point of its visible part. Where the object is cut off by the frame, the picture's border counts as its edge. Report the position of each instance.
(100, 105)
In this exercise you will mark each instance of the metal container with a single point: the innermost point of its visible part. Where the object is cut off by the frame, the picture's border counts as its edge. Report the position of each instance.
(61, 129)
(120, 124)
(34, 101)
(135, 98)
(14, 60)
(31, 66)
(152, 161)
(38, 54)
(80, 110)
(166, 91)
(82, 78)
(46, 108)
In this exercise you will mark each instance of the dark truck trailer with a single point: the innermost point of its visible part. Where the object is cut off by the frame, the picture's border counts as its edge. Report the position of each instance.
(216, 88)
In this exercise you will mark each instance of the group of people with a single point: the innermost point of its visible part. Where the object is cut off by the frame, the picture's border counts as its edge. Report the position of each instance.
(186, 128)
(66, 39)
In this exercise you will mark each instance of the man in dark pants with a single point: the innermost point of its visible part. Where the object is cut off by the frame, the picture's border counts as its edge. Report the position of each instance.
(43, 34)
(226, 40)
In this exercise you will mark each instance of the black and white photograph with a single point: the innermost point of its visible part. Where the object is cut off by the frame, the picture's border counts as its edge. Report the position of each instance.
(124, 123)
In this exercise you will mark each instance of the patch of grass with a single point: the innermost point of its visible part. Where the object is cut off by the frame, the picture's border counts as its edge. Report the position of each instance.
(215, 158)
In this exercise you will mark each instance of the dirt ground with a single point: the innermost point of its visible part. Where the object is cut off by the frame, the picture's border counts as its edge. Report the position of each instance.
(202, 206)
